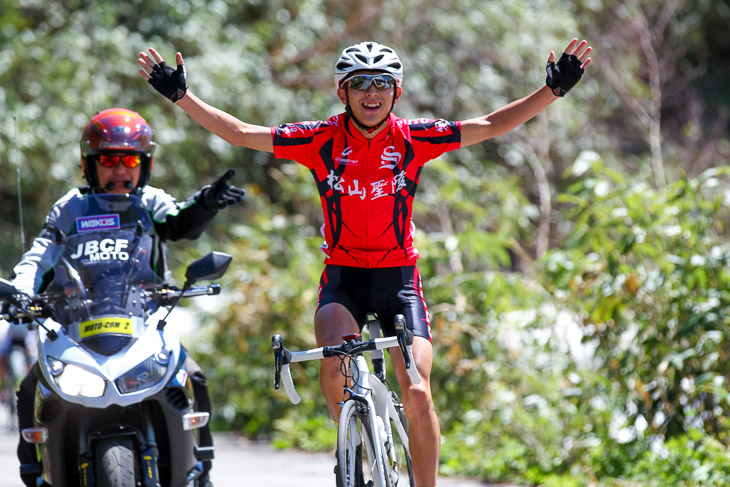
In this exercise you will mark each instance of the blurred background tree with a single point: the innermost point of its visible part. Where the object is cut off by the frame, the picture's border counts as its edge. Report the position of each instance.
(575, 268)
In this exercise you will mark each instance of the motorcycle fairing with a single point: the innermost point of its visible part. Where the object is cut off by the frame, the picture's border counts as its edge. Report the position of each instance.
(109, 367)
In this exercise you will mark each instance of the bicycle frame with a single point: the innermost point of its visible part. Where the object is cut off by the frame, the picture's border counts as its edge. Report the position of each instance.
(373, 389)
(367, 388)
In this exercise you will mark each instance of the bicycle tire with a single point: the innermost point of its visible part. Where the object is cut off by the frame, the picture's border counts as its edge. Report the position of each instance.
(402, 467)
(355, 464)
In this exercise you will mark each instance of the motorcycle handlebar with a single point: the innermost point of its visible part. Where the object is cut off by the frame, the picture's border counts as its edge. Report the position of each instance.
(39, 307)
(19, 317)
(170, 294)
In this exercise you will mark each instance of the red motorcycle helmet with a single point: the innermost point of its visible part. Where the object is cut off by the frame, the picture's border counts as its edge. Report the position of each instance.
(116, 129)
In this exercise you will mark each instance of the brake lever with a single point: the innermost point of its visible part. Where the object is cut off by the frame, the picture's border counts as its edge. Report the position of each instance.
(401, 332)
(277, 344)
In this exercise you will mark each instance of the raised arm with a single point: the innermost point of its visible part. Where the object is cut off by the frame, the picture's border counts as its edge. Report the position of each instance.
(172, 83)
(562, 76)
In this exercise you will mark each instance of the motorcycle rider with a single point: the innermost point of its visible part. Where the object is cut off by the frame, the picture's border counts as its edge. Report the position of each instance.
(117, 147)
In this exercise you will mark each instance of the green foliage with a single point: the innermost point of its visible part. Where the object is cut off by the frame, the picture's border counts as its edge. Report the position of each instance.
(649, 279)
(645, 271)
(271, 289)
(686, 461)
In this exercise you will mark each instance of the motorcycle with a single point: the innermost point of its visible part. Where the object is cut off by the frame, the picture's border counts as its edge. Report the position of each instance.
(114, 405)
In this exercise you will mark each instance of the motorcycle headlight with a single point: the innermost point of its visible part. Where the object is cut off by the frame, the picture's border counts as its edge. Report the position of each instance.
(76, 381)
(145, 375)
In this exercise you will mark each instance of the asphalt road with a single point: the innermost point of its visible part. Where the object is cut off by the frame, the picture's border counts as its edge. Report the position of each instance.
(239, 462)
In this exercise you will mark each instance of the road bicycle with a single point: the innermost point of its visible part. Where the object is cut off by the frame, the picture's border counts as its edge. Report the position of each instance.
(372, 436)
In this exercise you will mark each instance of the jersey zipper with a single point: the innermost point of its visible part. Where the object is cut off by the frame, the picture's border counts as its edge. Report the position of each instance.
(367, 200)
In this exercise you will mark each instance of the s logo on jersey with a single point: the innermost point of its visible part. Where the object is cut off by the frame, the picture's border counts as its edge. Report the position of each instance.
(389, 159)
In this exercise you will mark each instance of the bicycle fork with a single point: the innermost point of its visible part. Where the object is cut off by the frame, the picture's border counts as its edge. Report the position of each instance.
(363, 390)
(381, 407)
(384, 410)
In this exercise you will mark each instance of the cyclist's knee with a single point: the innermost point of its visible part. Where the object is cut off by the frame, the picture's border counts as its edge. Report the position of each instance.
(417, 399)
(331, 322)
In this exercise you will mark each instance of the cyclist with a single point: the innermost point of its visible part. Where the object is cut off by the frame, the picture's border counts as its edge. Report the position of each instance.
(366, 163)
(117, 148)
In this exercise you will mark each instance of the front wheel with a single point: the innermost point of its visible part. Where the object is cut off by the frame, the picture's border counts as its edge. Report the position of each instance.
(116, 462)
(356, 460)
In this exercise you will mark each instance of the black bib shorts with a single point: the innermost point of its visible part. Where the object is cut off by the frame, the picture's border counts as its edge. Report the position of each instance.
(385, 291)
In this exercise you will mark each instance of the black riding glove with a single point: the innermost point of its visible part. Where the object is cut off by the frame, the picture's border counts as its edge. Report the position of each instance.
(172, 83)
(220, 194)
(564, 74)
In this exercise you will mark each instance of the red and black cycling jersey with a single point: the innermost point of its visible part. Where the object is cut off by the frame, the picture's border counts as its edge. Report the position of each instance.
(367, 186)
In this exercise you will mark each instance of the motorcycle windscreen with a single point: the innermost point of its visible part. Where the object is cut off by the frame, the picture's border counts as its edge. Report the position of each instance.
(104, 267)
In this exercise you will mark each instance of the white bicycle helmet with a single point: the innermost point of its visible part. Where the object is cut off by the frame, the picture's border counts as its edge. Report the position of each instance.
(369, 56)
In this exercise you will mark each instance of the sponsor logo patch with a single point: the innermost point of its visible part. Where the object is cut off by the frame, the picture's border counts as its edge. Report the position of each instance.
(342, 159)
(106, 249)
(103, 326)
(98, 222)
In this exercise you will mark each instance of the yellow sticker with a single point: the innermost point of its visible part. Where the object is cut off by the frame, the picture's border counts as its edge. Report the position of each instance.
(103, 326)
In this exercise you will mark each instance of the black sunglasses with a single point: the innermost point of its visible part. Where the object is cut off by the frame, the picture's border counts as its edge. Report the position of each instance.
(363, 81)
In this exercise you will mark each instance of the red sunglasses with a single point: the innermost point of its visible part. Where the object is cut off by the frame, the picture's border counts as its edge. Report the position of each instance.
(113, 160)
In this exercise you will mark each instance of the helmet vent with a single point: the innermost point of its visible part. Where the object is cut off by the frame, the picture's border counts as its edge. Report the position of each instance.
(378, 59)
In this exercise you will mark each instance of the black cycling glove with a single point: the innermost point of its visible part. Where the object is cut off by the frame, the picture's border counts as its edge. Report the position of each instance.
(220, 194)
(172, 83)
(564, 74)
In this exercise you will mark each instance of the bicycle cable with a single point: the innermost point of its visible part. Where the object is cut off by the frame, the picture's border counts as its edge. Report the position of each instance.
(344, 370)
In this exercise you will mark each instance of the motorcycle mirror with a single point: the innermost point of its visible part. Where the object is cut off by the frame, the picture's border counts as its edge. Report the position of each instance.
(207, 268)
(7, 291)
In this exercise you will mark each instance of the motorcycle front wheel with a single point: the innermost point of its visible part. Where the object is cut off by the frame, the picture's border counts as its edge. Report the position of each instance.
(116, 462)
